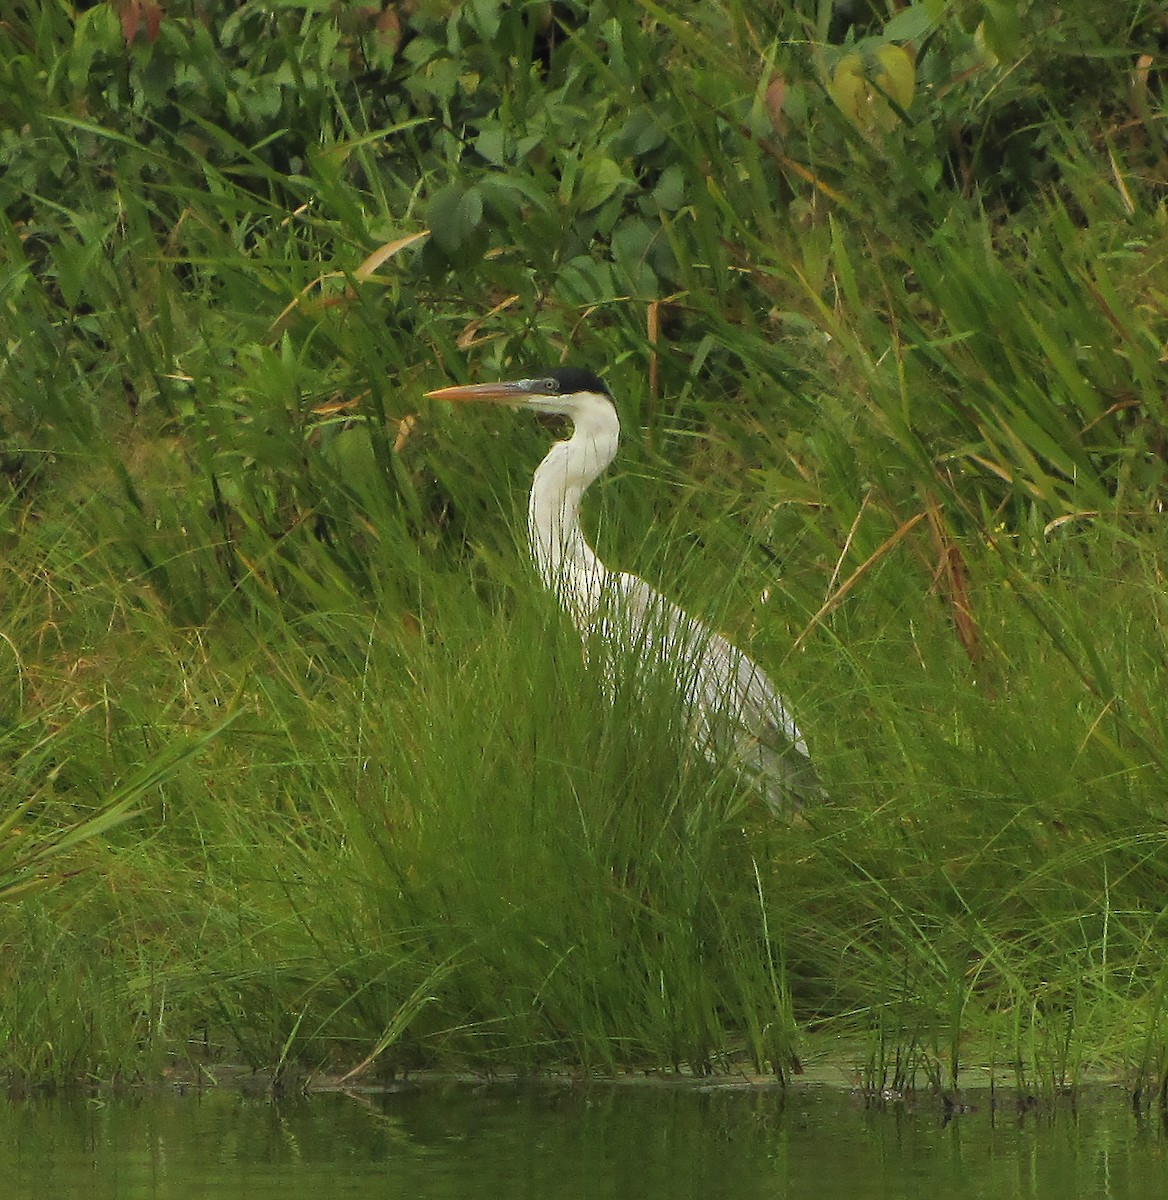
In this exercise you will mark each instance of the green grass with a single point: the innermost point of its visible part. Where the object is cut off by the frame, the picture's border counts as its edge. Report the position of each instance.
(299, 765)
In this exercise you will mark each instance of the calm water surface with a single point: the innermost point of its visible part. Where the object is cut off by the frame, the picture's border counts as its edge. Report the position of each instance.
(552, 1142)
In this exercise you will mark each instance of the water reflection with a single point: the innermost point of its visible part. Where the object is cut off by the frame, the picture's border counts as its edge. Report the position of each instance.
(548, 1142)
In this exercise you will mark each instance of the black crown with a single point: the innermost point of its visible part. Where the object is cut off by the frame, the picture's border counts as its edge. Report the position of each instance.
(563, 381)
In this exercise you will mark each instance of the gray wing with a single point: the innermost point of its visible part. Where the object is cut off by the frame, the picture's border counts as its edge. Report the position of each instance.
(735, 712)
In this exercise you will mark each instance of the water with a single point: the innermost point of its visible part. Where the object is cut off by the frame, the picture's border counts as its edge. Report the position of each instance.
(548, 1142)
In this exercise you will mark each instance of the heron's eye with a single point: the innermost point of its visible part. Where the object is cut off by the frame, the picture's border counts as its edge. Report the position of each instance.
(550, 386)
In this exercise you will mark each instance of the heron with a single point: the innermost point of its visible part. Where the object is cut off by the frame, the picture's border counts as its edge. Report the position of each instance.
(732, 710)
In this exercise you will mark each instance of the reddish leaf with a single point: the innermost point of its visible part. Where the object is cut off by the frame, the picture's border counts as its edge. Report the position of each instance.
(138, 17)
(153, 21)
(775, 94)
(130, 13)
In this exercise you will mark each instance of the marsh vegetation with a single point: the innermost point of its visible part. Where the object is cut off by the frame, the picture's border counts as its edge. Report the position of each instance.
(301, 767)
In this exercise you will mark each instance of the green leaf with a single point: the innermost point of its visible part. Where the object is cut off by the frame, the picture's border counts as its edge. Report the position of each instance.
(486, 17)
(911, 24)
(1003, 31)
(453, 215)
(491, 144)
(641, 133)
(599, 179)
(630, 248)
(670, 190)
(98, 32)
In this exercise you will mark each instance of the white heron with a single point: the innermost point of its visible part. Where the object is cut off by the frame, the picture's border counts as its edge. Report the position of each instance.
(733, 710)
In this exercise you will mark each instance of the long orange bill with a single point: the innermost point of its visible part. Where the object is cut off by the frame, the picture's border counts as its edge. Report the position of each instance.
(498, 393)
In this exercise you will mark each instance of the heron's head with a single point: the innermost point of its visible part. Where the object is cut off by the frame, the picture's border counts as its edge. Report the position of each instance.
(568, 391)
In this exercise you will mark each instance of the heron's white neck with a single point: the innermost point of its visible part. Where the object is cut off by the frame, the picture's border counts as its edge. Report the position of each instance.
(565, 561)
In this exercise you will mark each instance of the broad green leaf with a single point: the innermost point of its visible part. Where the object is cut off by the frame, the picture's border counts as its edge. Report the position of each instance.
(599, 179)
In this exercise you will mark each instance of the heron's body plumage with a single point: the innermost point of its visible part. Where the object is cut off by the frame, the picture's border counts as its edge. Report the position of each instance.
(732, 709)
